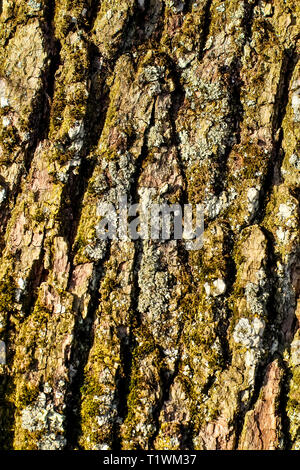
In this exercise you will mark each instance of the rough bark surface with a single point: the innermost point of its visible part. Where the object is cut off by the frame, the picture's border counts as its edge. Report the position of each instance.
(145, 345)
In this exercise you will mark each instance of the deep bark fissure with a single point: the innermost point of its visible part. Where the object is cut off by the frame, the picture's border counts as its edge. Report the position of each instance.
(167, 379)
(268, 338)
(249, 17)
(224, 322)
(82, 344)
(178, 97)
(123, 383)
(205, 28)
(127, 347)
(282, 406)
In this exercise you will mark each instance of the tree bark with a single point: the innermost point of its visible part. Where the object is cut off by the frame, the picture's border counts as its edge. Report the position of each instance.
(123, 344)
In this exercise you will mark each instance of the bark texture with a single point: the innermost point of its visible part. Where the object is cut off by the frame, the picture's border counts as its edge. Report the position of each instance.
(145, 345)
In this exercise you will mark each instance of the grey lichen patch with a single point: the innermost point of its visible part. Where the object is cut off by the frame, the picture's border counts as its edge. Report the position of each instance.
(40, 418)
(248, 334)
(282, 219)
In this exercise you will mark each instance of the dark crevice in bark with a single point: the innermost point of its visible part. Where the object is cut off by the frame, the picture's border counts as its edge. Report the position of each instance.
(232, 79)
(282, 406)
(7, 385)
(268, 337)
(134, 196)
(54, 48)
(224, 322)
(187, 433)
(249, 18)
(167, 379)
(127, 347)
(37, 275)
(83, 341)
(144, 25)
(209, 384)
(289, 62)
(178, 97)
(76, 187)
(93, 12)
(188, 6)
(205, 28)
(39, 120)
(242, 408)
(7, 410)
(161, 23)
(71, 207)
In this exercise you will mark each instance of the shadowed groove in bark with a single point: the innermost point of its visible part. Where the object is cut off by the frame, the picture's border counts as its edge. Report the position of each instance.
(40, 117)
(205, 28)
(54, 47)
(94, 10)
(167, 379)
(282, 406)
(7, 386)
(187, 7)
(134, 33)
(289, 62)
(178, 97)
(38, 274)
(272, 316)
(249, 17)
(75, 189)
(124, 380)
(127, 347)
(232, 79)
(82, 344)
(223, 325)
(268, 334)
(232, 74)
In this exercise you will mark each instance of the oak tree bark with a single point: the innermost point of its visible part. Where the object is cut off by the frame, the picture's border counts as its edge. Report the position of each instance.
(145, 344)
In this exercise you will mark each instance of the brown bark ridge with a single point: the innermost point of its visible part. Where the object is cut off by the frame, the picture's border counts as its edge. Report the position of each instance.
(144, 344)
